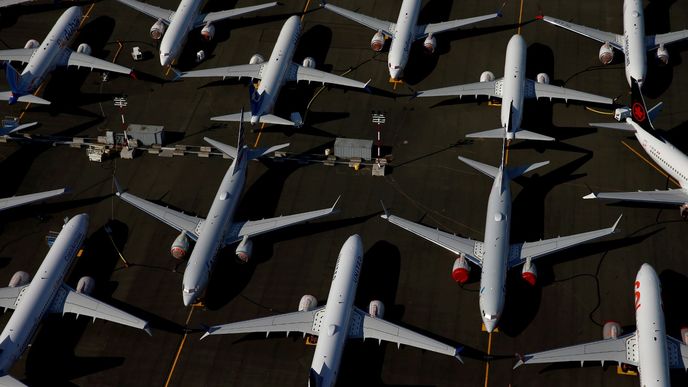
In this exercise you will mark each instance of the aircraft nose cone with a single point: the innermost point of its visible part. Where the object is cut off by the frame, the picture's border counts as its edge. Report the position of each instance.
(189, 298)
(254, 120)
(165, 59)
(395, 73)
(490, 325)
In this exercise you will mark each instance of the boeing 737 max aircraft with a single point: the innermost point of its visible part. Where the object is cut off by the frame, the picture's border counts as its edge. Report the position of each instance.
(47, 293)
(337, 321)
(219, 228)
(495, 256)
(174, 26)
(273, 74)
(648, 348)
(633, 43)
(512, 89)
(44, 57)
(666, 156)
(404, 32)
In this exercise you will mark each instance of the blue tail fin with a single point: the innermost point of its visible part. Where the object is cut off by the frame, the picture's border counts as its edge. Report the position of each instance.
(14, 79)
(639, 112)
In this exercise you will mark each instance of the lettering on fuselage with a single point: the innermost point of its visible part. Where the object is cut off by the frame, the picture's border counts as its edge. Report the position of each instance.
(69, 31)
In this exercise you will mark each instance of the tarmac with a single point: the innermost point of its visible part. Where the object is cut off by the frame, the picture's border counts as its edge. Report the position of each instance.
(577, 290)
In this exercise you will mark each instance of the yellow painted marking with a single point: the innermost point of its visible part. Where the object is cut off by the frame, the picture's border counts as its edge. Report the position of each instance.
(653, 165)
(520, 17)
(308, 3)
(179, 350)
(506, 153)
(494, 103)
(86, 15)
(260, 131)
(395, 82)
(599, 111)
(80, 253)
(29, 103)
(487, 364)
(120, 46)
(630, 372)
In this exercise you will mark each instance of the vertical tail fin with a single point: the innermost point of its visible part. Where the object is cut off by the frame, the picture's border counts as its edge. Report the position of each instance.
(14, 80)
(639, 112)
(241, 144)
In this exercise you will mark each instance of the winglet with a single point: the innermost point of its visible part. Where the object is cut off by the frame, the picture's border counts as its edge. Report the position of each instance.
(335, 203)
(177, 74)
(386, 215)
(616, 223)
(520, 362)
(591, 195)
(456, 355)
(118, 187)
(147, 329)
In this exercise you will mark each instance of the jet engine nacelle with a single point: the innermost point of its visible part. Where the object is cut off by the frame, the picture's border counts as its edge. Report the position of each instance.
(376, 309)
(378, 41)
(542, 78)
(84, 49)
(611, 330)
(32, 43)
(529, 272)
(684, 335)
(256, 59)
(684, 211)
(157, 30)
(19, 278)
(180, 246)
(309, 62)
(606, 53)
(663, 54)
(208, 31)
(461, 270)
(307, 303)
(244, 250)
(429, 44)
(487, 76)
(85, 285)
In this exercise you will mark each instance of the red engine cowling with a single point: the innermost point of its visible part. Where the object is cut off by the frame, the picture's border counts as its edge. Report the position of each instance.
(487, 76)
(85, 285)
(157, 30)
(606, 53)
(180, 246)
(32, 43)
(307, 303)
(611, 330)
(529, 272)
(378, 41)
(461, 271)
(430, 43)
(208, 31)
(663, 54)
(542, 78)
(84, 49)
(684, 335)
(19, 278)
(376, 309)
(244, 250)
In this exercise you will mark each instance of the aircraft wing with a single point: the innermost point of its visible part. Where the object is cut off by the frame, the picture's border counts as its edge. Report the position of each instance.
(8, 381)
(221, 15)
(490, 89)
(435, 28)
(175, 219)
(386, 27)
(14, 201)
(655, 41)
(17, 55)
(239, 71)
(302, 73)
(288, 322)
(82, 60)
(601, 36)
(8, 297)
(678, 353)
(165, 15)
(544, 90)
(379, 329)
(620, 350)
(69, 301)
(522, 251)
(7, 3)
(671, 196)
(252, 228)
(471, 249)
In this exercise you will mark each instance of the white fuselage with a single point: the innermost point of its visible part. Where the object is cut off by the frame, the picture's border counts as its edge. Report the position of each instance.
(36, 298)
(514, 83)
(183, 22)
(211, 237)
(51, 51)
(653, 359)
(671, 160)
(335, 325)
(403, 38)
(634, 46)
(496, 252)
(275, 71)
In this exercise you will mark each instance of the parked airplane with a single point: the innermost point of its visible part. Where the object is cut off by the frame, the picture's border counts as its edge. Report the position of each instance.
(173, 26)
(669, 158)
(337, 321)
(15, 201)
(512, 89)
(43, 58)
(634, 44)
(496, 255)
(219, 228)
(48, 293)
(273, 74)
(648, 348)
(404, 32)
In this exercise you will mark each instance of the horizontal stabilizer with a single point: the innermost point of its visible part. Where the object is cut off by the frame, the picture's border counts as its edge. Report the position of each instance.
(8, 381)
(29, 98)
(484, 168)
(514, 172)
(264, 119)
(492, 133)
(614, 125)
(224, 148)
(260, 152)
(528, 135)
